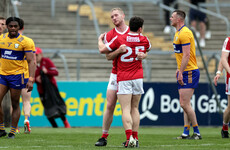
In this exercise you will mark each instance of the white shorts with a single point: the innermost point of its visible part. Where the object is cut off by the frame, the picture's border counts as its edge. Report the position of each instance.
(227, 90)
(112, 82)
(133, 87)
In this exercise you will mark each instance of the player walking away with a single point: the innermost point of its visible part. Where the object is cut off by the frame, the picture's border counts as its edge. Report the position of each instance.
(118, 19)
(26, 95)
(129, 75)
(187, 73)
(224, 63)
(13, 48)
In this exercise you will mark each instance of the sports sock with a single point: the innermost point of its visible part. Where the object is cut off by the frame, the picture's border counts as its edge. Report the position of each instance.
(2, 127)
(13, 130)
(128, 133)
(225, 126)
(195, 129)
(105, 134)
(27, 117)
(135, 134)
(186, 129)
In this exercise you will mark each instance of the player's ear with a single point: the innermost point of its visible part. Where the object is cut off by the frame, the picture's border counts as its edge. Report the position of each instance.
(140, 30)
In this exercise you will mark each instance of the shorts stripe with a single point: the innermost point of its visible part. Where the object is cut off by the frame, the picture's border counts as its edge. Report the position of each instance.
(190, 79)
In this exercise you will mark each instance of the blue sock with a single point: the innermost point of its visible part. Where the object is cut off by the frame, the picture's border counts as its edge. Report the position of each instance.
(195, 129)
(186, 129)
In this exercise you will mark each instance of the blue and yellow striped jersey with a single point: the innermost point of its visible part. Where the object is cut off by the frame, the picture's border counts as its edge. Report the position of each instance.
(12, 54)
(183, 37)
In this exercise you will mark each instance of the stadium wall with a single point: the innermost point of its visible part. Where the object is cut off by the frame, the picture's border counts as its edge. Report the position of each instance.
(159, 106)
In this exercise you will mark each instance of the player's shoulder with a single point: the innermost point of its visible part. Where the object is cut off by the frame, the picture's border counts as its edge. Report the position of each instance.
(227, 39)
(144, 37)
(114, 31)
(186, 30)
(4, 36)
(46, 58)
(111, 32)
(28, 38)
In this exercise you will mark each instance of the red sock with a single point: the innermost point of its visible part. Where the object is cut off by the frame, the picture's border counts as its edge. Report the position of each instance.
(104, 135)
(225, 127)
(128, 133)
(135, 134)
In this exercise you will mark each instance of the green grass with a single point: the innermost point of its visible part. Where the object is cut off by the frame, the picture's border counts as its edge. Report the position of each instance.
(157, 138)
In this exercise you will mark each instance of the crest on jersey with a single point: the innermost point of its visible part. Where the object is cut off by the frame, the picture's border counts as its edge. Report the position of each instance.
(16, 45)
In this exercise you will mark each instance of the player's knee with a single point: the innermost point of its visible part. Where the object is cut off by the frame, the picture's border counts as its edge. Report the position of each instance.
(110, 107)
(110, 104)
(15, 106)
(183, 105)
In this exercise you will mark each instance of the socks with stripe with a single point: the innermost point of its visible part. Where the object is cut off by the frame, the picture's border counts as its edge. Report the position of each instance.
(2, 126)
(13, 130)
(27, 117)
(195, 129)
(186, 129)
(105, 134)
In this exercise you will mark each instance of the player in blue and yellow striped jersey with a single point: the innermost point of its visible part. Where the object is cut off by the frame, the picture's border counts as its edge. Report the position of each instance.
(187, 72)
(14, 47)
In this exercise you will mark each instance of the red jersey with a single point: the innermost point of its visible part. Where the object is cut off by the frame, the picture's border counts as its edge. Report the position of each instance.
(226, 48)
(51, 72)
(108, 37)
(128, 66)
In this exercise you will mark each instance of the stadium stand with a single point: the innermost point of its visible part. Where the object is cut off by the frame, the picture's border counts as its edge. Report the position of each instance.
(60, 33)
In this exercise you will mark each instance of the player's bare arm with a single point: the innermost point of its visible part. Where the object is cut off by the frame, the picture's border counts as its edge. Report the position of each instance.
(112, 55)
(218, 73)
(224, 61)
(184, 63)
(32, 67)
(101, 46)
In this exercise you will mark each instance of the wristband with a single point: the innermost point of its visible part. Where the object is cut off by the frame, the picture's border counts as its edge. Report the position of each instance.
(218, 72)
(31, 79)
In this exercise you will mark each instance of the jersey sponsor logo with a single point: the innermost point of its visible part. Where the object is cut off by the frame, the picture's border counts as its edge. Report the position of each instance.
(177, 51)
(16, 45)
(132, 39)
(177, 48)
(8, 53)
(9, 57)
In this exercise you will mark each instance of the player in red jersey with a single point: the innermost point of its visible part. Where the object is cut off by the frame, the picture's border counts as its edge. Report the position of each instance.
(129, 75)
(118, 19)
(224, 63)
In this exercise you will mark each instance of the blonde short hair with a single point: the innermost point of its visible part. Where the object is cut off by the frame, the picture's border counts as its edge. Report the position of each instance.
(117, 8)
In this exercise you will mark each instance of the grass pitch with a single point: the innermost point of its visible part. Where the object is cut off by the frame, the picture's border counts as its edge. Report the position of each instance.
(157, 138)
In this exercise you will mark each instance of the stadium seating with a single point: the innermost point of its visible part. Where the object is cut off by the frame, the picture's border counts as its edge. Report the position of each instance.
(60, 33)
